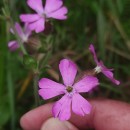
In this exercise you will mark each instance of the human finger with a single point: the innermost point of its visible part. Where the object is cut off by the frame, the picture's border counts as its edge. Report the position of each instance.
(55, 124)
(105, 115)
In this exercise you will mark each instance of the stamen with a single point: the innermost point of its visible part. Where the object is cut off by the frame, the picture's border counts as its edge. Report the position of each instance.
(98, 69)
(44, 15)
(69, 89)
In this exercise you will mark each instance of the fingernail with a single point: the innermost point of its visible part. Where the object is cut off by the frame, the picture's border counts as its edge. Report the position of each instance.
(56, 124)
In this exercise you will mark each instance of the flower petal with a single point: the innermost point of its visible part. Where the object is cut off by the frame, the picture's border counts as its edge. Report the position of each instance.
(19, 30)
(92, 49)
(38, 26)
(53, 5)
(62, 108)
(110, 75)
(101, 64)
(59, 14)
(11, 30)
(13, 45)
(29, 17)
(27, 30)
(50, 88)
(36, 5)
(80, 106)
(86, 84)
(68, 70)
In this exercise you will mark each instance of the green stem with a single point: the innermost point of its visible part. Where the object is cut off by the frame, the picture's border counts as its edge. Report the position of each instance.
(11, 96)
(48, 54)
(35, 85)
(10, 86)
(45, 59)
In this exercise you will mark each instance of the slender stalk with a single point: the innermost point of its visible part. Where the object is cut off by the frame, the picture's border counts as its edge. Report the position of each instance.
(35, 85)
(11, 96)
(48, 54)
(45, 59)
(36, 77)
(10, 85)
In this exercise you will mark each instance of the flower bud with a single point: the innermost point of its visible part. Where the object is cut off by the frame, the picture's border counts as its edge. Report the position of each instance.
(33, 44)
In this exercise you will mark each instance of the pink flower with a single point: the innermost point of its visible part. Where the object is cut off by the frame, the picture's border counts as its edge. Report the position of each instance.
(53, 9)
(101, 68)
(23, 35)
(71, 90)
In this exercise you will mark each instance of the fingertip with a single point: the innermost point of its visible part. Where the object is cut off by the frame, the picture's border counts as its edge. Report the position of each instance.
(56, 124)
(115, 113)
(24, 123)
(33, 119)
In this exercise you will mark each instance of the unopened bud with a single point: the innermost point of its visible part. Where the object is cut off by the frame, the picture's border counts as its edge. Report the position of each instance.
(33, 44)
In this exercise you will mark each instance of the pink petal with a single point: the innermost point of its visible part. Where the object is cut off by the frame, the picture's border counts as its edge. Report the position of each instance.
(53, 5)
(38, 26)
(19, 30)
(62, 108)
(36, 5)
(59, 14)
(11, 30)
(80, 106)
(92, 49)
(104, 67)
(68, 70)
(50, 88)
(110, 75)
(27, 30)
(13, 45)
(29, 17)
(86, 84)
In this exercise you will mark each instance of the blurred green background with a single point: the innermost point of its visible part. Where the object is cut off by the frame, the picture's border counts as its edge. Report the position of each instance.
(106, 23)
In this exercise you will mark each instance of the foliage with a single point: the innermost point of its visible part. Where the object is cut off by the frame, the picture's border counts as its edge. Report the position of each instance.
(102, 22)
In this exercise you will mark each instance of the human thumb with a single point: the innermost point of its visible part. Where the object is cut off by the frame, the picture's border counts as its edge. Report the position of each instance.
(56, 124)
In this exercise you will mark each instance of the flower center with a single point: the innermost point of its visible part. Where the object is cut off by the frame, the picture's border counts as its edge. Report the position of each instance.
(44, 15)
(69, 89)
(25, 38)
(98, 69)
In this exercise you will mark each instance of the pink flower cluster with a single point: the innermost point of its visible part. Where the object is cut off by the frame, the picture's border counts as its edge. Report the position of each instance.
(53, 9)
(23, 34)
(71, 89)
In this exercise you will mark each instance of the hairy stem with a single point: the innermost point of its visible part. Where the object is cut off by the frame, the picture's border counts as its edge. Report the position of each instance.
(35, 85)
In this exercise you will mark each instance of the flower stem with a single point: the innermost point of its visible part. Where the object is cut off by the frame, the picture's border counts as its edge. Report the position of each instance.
(6, 11)
(35, 85)
(18, 38)
(10, 86)
(11, 97)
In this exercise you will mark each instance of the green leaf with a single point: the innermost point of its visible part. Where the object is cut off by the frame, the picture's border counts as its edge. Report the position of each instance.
(4, 111)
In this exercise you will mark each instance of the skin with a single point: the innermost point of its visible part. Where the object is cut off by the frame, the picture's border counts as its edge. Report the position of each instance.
(105, 115)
